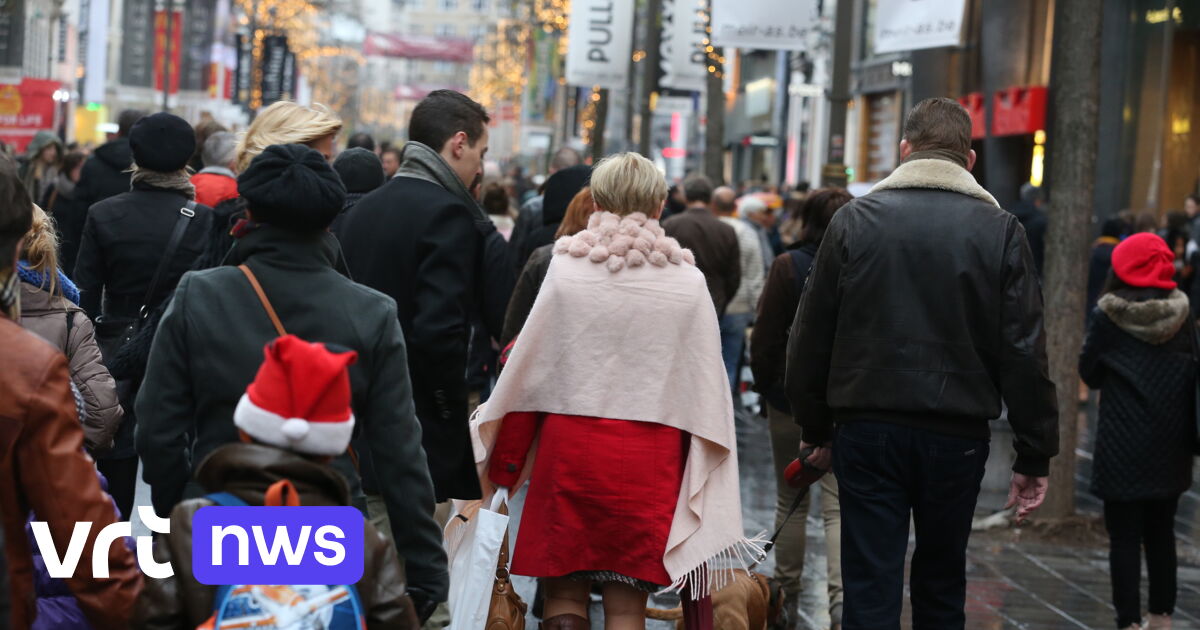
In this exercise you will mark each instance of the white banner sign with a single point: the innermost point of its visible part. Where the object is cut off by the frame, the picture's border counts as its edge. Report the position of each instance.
(902, 25)
(684, 60)
(600, 43)
(762, 24)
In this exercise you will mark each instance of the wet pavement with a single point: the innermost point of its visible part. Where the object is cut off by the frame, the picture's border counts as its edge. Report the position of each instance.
(1013, 582)
(1014, 579)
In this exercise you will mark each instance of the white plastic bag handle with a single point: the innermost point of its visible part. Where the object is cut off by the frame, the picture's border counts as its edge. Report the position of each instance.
(500, 498)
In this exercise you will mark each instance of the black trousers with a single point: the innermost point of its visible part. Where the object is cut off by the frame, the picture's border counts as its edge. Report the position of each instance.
(122, 481)
(1132, 526)
(886, 472)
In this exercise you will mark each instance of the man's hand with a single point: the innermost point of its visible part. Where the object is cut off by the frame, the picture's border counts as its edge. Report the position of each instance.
(822, 456)
(1027, 493)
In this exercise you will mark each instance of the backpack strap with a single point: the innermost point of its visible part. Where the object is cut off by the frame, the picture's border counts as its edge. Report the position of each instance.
(281, 493)
(185, 216)
(226, 499)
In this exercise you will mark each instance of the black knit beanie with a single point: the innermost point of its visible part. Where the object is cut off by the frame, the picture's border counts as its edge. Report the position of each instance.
(292, 186)
(361, 170)
(162, 142)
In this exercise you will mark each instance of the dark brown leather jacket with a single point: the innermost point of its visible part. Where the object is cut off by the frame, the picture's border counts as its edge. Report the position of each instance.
(715, 246)
(247, 470)
(43, 468)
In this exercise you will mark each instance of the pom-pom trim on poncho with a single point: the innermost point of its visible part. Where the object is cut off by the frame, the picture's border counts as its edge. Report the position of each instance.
(634, 240)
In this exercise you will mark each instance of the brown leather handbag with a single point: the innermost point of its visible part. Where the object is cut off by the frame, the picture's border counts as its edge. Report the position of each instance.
(507, 611)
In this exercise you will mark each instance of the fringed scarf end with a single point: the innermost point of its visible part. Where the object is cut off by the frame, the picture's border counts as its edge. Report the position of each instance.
(715, 573)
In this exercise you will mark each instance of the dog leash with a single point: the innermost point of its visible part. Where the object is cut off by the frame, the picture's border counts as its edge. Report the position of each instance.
(775, 537)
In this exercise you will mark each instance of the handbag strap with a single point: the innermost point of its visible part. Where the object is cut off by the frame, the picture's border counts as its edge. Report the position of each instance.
(185, 216)
(262, 297)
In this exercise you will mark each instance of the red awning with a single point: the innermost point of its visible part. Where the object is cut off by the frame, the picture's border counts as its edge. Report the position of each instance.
(419, 47)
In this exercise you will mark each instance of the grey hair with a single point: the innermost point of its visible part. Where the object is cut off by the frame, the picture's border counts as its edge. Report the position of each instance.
(749, 205)
(220, 149)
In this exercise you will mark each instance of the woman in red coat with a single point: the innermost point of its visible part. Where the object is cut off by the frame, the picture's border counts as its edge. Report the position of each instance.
(612, 406)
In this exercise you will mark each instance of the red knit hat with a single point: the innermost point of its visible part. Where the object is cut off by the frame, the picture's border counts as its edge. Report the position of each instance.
(300, 398)
(1144, 260)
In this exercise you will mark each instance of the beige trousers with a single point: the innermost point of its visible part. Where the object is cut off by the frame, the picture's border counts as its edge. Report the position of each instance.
(789, 551)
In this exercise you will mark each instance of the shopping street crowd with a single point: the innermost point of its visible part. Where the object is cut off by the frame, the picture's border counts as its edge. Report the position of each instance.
(259, 318)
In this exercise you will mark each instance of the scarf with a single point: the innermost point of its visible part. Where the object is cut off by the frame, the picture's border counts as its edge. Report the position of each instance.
(938, 154)
(10, 294)
(623, 327)
(179, 180)
(421, 162)
(42, 281)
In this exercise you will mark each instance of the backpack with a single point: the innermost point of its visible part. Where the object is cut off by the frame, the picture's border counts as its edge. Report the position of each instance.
(283, 606)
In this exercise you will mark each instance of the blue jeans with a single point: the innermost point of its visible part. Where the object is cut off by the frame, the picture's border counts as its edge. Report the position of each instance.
(733, 342)
(886, 472)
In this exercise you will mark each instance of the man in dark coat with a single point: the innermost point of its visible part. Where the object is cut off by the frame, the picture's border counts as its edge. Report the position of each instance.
(106, 173)
(714, 243)
(420, 239)
(532, 218)
(921, 315)
(1033, 219)
(200, 365)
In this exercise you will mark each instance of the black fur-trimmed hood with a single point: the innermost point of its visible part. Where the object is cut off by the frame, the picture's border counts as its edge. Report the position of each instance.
(1152, 321)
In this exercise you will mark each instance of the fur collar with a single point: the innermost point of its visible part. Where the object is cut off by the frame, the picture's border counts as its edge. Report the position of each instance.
(938, 174)
(1152, 321)
(617, 241)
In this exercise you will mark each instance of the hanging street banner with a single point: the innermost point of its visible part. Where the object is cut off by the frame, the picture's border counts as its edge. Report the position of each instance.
(600, 43)
(242, 73)
(684, 60)
(763, 24)
(274, 68)
(419, 47)
(12, 34)
(137, 43)
(902, 25)
(199, 24)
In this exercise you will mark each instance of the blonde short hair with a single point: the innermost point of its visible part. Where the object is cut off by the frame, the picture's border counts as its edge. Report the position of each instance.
(626, 183)
(285, 122)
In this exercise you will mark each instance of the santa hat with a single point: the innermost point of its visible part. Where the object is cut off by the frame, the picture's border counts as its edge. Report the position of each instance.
(300, 398)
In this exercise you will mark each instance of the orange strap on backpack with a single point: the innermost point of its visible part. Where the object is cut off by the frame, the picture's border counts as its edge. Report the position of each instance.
(281, 493)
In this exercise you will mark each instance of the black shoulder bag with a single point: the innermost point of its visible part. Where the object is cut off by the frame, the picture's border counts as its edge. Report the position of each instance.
(112, 334)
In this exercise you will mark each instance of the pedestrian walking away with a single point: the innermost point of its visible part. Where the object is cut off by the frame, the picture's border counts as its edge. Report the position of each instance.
(200, 365)
(298, 384)
(135, 247)
(618, 410)
(921, 315)
(43, 468)
(1141, 354)
(714, 244)
(768, 357)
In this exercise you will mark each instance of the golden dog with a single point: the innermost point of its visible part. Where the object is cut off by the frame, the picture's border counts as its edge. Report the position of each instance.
(749, 601)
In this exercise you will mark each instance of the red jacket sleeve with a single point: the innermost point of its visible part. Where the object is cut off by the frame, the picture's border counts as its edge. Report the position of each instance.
(517, 431)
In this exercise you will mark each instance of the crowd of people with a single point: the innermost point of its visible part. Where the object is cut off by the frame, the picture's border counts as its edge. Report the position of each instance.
(262, 318)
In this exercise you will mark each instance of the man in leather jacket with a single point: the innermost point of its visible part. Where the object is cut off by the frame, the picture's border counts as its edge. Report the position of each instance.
(922, 314)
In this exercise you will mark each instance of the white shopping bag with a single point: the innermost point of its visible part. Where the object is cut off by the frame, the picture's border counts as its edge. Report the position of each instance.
(473, 538)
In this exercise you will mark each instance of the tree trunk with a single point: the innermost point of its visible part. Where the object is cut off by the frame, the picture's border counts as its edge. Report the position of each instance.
(599, 126)
(714, 110)
(650, 78)
(1072, 148)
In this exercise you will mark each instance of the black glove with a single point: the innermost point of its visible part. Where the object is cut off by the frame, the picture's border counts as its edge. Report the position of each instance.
(423, 604)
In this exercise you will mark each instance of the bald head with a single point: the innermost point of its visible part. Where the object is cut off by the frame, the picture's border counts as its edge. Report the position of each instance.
(724, 201)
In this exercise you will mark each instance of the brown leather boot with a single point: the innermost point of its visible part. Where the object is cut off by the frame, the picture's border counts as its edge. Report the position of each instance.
(565, 622)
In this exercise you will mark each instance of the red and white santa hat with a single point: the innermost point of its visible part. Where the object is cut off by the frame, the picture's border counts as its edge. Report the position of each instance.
(300, 398)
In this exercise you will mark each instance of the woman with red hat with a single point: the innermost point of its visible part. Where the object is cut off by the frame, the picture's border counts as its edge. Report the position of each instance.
(1140, 354)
